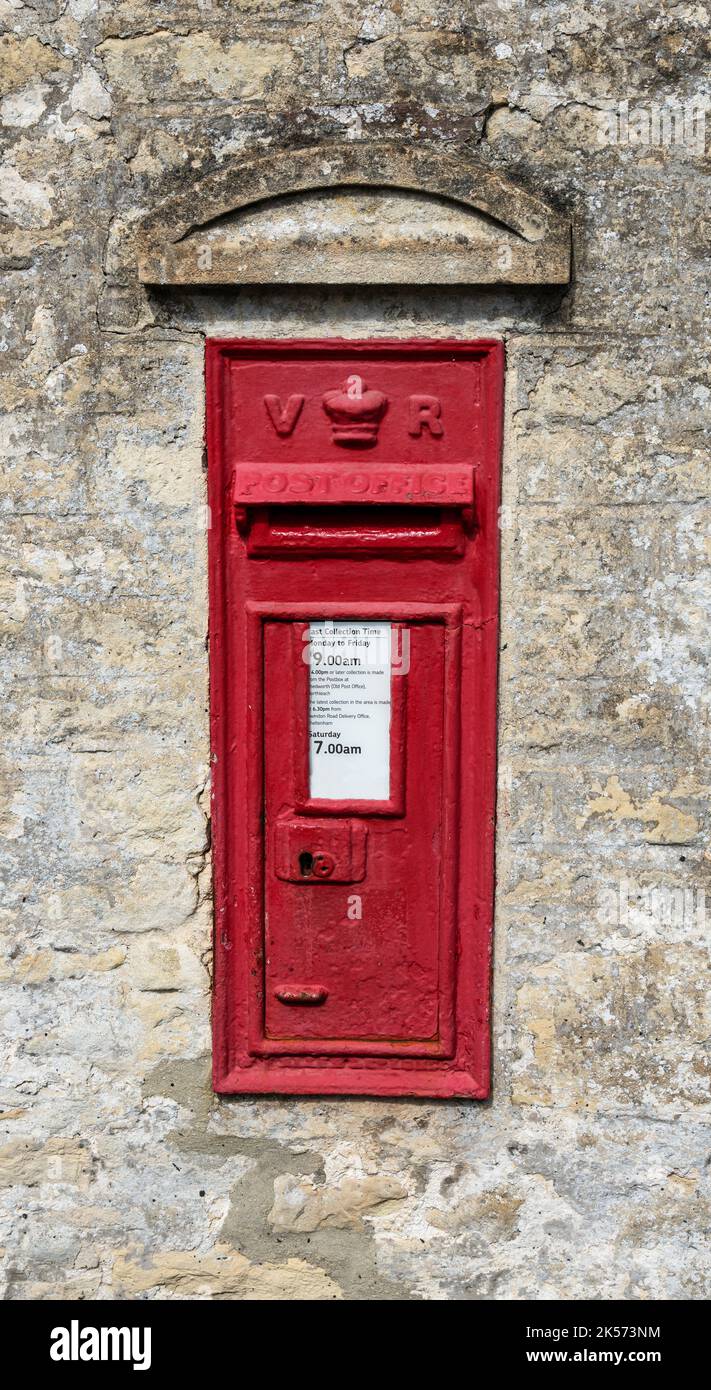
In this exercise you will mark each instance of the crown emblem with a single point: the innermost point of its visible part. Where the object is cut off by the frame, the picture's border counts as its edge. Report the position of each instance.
(355, 412)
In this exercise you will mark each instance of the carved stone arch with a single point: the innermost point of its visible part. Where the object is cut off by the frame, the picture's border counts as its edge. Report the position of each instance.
(363, 212)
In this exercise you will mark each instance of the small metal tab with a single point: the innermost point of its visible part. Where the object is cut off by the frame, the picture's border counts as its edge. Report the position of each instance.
(323, 865)
(302, 994)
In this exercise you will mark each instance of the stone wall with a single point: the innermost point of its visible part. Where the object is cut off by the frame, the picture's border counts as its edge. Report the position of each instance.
(121, 1174)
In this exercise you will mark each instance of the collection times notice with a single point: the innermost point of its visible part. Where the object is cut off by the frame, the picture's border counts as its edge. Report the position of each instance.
(349, 710)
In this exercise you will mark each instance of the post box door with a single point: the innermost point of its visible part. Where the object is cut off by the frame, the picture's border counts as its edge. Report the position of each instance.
(355, 898)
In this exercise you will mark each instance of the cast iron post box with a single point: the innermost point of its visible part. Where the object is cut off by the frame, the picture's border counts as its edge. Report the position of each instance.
(353, 651)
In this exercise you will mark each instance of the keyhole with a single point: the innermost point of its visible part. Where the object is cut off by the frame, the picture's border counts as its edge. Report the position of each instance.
(306, 862)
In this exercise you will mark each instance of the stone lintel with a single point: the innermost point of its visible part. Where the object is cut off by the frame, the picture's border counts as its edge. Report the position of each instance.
(362, 213)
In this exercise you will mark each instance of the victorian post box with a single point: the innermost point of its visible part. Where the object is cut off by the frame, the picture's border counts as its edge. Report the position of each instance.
(353, 645)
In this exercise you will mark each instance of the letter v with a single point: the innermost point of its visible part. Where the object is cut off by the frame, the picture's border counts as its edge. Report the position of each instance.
(284, 417)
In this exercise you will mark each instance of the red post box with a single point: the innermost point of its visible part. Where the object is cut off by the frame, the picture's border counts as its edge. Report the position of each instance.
(354, 493)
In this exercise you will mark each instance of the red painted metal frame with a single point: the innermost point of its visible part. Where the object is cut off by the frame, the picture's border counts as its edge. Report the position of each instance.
(457, 1064)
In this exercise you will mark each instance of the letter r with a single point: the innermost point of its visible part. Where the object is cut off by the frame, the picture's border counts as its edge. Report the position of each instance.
(425, 411)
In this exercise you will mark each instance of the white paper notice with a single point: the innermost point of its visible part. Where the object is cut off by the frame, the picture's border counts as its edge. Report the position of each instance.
(349, 711)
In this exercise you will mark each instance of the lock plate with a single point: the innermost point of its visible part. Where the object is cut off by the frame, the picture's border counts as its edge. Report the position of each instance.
(320, 851)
